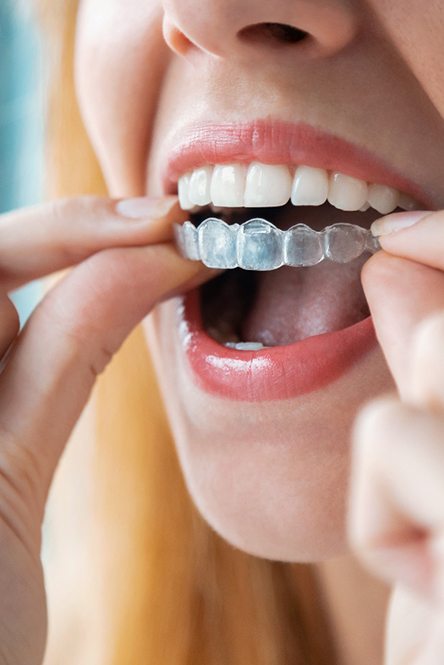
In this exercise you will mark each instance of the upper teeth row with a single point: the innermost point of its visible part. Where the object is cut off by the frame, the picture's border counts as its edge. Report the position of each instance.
(260, 185)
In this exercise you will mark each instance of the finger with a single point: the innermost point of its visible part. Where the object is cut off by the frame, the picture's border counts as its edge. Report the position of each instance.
(71, 337)
(396, 503)
(433, 648)
(409, 618)
(426, 385)
(41, 240)
(400, 294)
(9, 324)
(418, 236)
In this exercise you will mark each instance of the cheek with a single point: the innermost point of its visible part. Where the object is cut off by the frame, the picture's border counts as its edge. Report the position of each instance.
(120, 58)
(417, 29)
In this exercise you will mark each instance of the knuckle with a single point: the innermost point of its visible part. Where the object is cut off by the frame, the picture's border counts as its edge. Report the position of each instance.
(97, 356)
(21, 469)
(78, 213)
(22, 498)
(82, 338)
(80, 344)
(61, 213)
(63, 208)
(101, 360)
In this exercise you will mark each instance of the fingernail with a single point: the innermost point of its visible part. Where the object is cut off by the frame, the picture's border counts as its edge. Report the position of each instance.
(145, 207)
(397, 222)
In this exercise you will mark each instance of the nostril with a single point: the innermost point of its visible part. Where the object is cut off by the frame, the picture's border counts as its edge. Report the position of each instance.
(277, 33)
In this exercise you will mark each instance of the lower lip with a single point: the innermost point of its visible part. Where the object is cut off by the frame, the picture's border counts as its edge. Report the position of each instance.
(275, 373)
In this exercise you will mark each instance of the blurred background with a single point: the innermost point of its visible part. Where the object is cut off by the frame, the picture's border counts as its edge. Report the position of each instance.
(21, 122)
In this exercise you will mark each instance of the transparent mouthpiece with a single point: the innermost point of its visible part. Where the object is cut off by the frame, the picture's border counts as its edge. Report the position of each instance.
(260, 245)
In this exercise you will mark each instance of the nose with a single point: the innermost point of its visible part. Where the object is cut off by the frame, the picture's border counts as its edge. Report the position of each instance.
(229, 28)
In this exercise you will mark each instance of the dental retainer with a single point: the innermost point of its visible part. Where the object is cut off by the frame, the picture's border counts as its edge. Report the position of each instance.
(260, 245)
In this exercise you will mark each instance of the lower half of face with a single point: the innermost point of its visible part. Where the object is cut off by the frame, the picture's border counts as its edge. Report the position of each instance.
(270, 475)
(301, 128)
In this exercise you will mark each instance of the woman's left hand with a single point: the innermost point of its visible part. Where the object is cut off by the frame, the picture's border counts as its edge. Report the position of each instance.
(396, 502)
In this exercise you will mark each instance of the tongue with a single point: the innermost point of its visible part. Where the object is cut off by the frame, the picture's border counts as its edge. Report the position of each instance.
(295, 303)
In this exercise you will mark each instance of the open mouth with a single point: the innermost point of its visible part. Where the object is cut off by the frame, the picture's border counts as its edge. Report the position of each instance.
(252, 309)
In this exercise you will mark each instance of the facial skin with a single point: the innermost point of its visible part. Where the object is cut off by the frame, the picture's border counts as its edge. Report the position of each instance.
(269, 477)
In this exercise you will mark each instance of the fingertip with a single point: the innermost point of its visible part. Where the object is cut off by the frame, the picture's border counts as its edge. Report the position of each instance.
(416, 235)
(400, 292)
(397, 221)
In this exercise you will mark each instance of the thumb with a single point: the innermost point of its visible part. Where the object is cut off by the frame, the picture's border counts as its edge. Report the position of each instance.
(401, 293)
(71, 337)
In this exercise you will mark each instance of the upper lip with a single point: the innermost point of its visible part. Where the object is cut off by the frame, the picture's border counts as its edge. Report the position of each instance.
(279, 142)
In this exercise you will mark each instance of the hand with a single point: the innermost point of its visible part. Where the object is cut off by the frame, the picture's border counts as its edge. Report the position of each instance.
(121, 270)
(396, 503)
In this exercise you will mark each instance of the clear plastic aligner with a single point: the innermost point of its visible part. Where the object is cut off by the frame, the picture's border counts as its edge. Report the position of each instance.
(260, 245)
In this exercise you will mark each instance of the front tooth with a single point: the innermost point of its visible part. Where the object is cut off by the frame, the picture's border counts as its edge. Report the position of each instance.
(245, 346)
(183, 187)
(310, 186)
(214, 208)
(382, 198)
(228, 185)
(200, 184)
(267, 185)
(347, 193)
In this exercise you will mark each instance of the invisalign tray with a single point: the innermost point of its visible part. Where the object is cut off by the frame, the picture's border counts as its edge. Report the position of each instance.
(260, 245)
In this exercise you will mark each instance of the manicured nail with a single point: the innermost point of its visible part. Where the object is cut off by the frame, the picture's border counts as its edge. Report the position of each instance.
(397, 222)
(145, 207)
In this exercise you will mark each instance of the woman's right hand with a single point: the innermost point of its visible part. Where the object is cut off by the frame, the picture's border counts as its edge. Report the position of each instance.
(123, 265)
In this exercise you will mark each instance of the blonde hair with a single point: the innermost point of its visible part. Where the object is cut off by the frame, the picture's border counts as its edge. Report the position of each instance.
(156, 585)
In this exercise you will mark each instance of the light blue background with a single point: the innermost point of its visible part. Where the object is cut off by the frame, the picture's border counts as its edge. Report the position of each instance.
(21, 123)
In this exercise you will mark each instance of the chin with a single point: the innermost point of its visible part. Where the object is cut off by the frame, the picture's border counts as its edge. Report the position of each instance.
(271, 518)
(271, 478)
(278, 496)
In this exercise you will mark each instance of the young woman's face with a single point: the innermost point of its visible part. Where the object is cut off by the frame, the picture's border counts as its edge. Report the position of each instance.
(167, 86)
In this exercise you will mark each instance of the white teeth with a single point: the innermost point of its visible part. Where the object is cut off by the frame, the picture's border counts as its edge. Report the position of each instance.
(183, 188)
(310, 186)
(406, 202)
(228, 185)
(216, 209)
(259, 185)
(200, 186)
(245, 346)
(267, 185)
(382, 198)
(347, 193)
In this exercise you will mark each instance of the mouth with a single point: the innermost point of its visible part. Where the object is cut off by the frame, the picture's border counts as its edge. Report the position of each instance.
(287, 311)
(253, 309)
